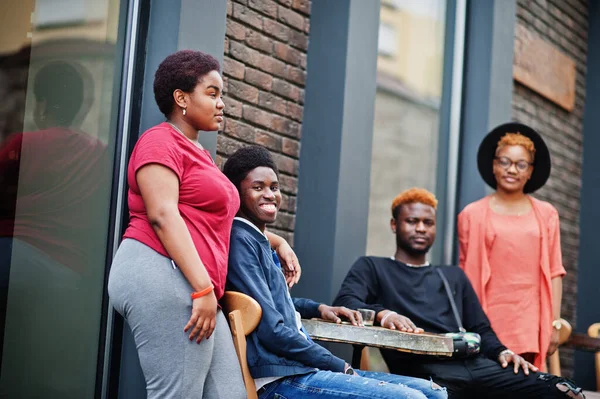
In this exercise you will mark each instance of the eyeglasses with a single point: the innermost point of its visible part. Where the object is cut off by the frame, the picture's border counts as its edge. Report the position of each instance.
(506, 163)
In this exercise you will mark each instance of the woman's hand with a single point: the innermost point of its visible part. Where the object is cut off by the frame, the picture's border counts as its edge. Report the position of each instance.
(289, 263)
(204, 317)
(507, 356)
(553, 341)
(333, 313)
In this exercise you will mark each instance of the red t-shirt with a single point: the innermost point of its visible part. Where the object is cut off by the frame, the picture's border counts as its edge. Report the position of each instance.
(208, 201)
(52, 180)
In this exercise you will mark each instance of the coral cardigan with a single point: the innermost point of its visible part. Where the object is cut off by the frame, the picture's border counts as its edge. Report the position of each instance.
(472, 230)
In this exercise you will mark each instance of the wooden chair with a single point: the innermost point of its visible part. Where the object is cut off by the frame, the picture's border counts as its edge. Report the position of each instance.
(554, 360)
(594, 332)
(244, 315)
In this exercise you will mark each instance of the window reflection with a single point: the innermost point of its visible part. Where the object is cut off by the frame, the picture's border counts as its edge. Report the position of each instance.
(57, 144)
(407, 103)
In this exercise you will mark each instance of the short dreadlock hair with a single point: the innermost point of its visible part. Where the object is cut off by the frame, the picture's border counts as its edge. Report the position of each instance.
(411, 196)
(246, 159)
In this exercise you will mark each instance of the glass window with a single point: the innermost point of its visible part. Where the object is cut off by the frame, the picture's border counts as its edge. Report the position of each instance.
(60, 68)
(407, 104)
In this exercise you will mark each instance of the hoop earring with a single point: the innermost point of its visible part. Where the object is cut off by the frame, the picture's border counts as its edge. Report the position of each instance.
(184, 111)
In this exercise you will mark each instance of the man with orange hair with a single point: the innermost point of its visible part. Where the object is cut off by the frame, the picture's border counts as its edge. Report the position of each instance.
(409, 294)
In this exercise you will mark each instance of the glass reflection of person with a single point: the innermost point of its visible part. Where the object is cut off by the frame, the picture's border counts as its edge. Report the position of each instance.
(54, 182)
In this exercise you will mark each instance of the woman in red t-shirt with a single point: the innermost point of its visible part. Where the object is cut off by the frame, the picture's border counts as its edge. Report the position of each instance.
(171, 267)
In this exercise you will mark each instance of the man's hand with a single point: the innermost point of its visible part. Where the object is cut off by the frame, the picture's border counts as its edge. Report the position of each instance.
(333, 313)
(553, 341)
(507, 356)
(394, 321)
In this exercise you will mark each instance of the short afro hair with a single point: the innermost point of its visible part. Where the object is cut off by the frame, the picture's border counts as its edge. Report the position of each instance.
(412, 196)
(60, 84)
(181, 70)
(246, 159)
(517, 139)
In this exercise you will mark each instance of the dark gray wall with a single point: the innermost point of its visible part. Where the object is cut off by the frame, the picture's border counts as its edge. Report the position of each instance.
(487, 85)
(174, 25)
(335, 161)
(178, 25)
(588, 312)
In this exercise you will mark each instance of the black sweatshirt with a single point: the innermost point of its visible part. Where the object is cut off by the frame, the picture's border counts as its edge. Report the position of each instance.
(418, 293)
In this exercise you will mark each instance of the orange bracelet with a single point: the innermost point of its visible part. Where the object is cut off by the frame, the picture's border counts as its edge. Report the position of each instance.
(200, 294)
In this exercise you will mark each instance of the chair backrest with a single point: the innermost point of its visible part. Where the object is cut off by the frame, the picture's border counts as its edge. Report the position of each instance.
(594, 332)
(244, 315)
(554, 360)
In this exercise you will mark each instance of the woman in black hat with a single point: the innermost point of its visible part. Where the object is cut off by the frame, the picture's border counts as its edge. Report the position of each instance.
(510, 243)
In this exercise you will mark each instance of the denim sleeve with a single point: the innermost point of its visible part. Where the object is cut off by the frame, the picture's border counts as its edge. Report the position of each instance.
(360, 288)
(307, 308)
(248, 275)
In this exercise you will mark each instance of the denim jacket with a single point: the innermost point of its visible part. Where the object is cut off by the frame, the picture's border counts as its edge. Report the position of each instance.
(276, 348)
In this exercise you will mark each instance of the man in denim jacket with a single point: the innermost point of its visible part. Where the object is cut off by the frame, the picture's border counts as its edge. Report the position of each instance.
(282, 358)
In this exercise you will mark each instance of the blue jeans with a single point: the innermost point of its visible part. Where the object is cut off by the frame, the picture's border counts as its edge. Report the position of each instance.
(367, 384)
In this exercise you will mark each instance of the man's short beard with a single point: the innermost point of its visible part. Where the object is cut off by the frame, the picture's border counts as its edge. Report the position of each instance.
(406, 247)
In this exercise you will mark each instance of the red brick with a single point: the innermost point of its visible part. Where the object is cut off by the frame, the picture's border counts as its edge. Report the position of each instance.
(248, 16)
(286, 164)
(294, 111)
(271, 141)
(277, 30)
(298, 40)
(235, 30)
(301, 97)
(240, 130)
(229, 7)
(286, 89)
(243, 91)
(245, 54)
(306, 25)
(259, 41)
(225, 84)
(257, 78)
(296, 75)
(232, 107)
(285, 126)
(286, 53)
(267, 7)
(288, 184)
(272, 102)
(302, 5)
(285, 221)
(258, 116)
(272, 66)
(303, 61)
(290, 18)
(287, 3)
(220, 161)
(228, 145)
(291, 147)
(288, 203)
(233, 68)
(226, 46)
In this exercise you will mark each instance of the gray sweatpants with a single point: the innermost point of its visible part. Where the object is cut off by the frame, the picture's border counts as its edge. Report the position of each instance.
(154, 299)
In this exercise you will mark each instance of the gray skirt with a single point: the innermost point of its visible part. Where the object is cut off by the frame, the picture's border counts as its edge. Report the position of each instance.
(154, 298)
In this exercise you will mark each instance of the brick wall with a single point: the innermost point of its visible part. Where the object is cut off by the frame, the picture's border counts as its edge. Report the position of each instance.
(563, 23)
(264, 74)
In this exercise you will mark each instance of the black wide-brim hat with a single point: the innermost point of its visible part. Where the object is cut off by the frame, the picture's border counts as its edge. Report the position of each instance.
(487, 152)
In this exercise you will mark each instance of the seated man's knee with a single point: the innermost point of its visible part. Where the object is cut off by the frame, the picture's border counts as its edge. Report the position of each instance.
(565, 386)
